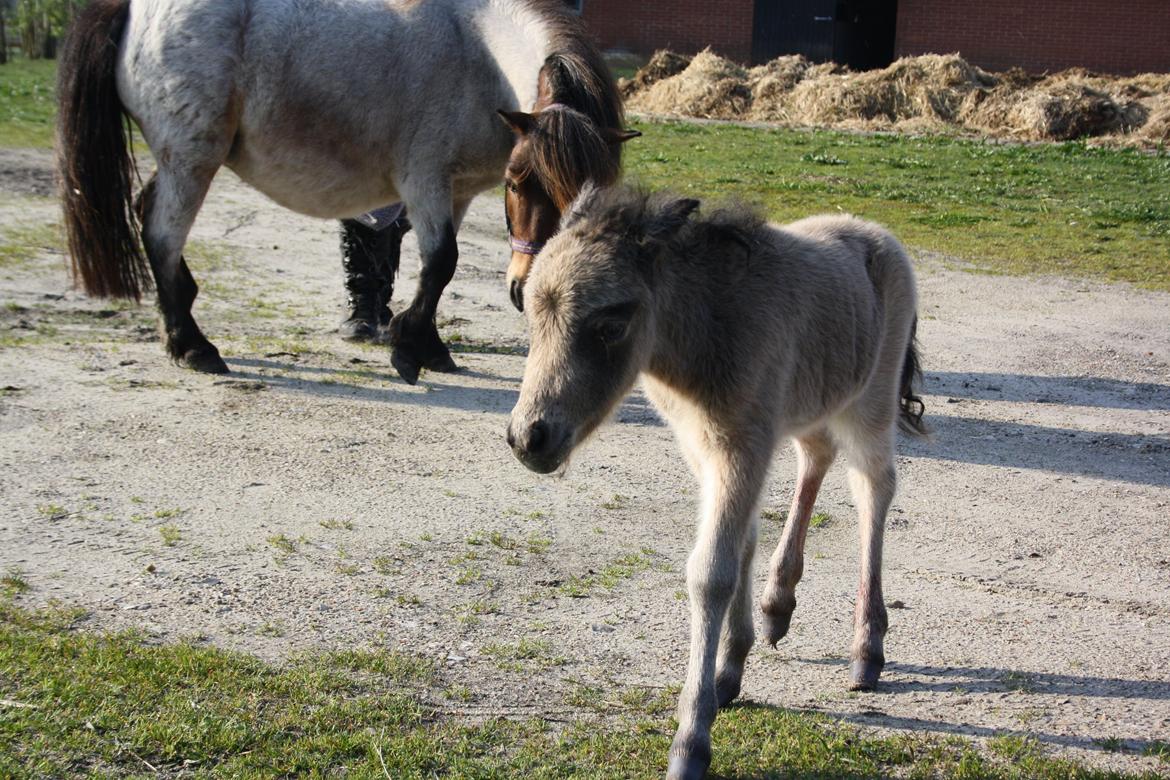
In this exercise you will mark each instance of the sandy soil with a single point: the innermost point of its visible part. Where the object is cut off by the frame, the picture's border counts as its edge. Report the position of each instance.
(311, 499)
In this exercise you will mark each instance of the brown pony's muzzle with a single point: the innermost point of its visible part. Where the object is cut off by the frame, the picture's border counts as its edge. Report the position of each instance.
(518, 271)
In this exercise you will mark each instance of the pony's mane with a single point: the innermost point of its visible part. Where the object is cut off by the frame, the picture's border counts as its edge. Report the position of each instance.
(566, 150)
(567, 144)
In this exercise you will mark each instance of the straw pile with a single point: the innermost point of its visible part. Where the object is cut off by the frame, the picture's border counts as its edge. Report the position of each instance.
(941, 93)
(709, 87)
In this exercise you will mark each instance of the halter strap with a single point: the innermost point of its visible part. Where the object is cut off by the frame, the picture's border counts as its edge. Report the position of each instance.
(525, 247)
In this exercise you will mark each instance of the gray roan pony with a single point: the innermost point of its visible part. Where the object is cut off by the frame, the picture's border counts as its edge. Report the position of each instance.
(331, 108)
(745, 333)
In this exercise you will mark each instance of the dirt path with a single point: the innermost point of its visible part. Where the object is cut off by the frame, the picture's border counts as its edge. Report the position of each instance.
(312, 499)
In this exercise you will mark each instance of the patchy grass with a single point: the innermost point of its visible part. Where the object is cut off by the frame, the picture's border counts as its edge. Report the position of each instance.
(531, 653)
(13, 582)
(336, 525)
(820, 520)
(23, 244)
(623, 568)
(282, 544)
(1065, 209)
(110, 705)
(170, 535)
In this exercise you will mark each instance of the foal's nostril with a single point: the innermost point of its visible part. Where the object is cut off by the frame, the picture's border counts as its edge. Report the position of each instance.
(516, 293)
(537, 437)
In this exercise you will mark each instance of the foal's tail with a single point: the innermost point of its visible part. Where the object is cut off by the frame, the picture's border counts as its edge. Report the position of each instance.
(910, 405)
(94, 159)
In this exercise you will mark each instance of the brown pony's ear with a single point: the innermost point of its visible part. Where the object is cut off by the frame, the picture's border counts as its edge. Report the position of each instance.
(614, 136)
(520, 122)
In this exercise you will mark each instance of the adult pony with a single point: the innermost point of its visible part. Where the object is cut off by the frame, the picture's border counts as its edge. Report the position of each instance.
(331, 108)
(746, 333)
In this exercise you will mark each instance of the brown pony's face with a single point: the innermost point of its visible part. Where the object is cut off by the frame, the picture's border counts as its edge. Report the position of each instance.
(555, 154)
(531, 215)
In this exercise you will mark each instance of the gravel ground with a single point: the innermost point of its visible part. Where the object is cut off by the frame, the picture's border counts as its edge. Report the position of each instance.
(311, 499)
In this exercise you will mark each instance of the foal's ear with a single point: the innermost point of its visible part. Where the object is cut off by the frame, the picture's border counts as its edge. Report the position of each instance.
(614, 136)
(661, 225)
(520, 122)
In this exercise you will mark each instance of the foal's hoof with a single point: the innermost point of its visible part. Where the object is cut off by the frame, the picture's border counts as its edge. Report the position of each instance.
(205, 360)
(688, 767)
(864, 673)
(777, 619)
(727, 689)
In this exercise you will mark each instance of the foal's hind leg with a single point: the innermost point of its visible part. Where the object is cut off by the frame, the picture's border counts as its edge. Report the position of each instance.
(168, 205)
(814, 455)
(870, 448)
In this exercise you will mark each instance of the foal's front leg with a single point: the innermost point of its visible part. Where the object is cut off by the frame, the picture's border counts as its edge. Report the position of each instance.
(731, 486)
(738, 632)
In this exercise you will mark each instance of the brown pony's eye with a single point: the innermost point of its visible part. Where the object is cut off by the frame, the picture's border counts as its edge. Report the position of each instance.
(511, 186)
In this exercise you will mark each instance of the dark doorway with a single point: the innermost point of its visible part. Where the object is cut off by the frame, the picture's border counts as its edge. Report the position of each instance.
(857, 33)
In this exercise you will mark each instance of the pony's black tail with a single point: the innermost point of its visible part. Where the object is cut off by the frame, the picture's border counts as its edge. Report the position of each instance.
(94, 159)
(910, 405)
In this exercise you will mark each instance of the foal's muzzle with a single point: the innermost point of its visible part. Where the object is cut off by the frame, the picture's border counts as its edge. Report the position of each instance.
(540, 446)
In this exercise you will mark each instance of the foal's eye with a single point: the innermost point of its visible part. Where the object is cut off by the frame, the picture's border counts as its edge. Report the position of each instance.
(612, 331)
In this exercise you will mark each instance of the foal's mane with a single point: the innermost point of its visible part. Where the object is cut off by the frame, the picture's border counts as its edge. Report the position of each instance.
(568, 145)
(732, 226)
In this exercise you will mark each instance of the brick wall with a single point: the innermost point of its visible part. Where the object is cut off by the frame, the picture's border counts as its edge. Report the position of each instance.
(686, 26)
(1111, 36)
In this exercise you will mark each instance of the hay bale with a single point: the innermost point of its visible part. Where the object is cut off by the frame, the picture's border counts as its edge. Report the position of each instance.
(915, 94)
(662, 65)
(1156, 128)
(929, 89)
(710, 87)
(771, 85)
(1066, 111)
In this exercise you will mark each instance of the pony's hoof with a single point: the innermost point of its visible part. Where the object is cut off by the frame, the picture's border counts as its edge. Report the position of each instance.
(406, 365)
(205, 360)
(442, 363)
(864, 673)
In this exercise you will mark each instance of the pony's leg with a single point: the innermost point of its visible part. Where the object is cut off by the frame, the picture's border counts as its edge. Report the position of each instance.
(738, 633)
(731, 487)
(814, 455)
(872, 479)
(167, 206)
(413, 332)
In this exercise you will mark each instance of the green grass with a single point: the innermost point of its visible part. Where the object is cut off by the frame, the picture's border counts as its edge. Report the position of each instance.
(1006, 208)
(28, 105)
(111, 705)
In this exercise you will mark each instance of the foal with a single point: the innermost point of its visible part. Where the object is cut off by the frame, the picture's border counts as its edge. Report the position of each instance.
(745, 333)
